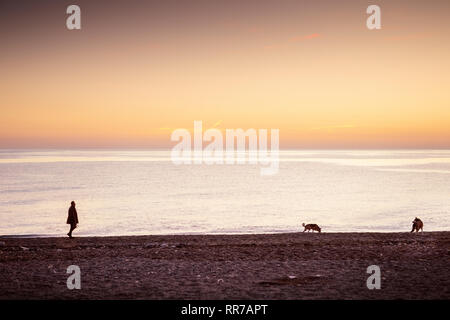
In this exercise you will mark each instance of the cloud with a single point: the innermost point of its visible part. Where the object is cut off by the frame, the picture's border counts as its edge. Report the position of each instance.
(255, 29)
(217, 124)
(342, 126)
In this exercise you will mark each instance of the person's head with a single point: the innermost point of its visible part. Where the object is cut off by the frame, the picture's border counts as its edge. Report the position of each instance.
(72, 203)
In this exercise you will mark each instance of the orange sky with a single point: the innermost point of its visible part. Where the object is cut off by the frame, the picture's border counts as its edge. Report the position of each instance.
(311, 68)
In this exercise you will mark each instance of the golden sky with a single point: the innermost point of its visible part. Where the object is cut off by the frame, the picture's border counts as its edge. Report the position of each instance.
(139, 69)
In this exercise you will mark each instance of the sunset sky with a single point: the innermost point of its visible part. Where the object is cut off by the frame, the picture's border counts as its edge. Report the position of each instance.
(137, 70)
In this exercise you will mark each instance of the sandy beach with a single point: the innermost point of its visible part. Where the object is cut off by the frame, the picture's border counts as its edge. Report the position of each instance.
(264, 266)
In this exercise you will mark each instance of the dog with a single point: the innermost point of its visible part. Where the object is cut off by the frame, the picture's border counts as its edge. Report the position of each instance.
(417, 225)
(311, 226)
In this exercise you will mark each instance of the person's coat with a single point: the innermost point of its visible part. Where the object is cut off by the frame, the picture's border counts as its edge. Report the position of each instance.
(73, 216)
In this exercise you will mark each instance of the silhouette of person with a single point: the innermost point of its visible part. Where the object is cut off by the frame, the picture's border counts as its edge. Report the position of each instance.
(72, 219)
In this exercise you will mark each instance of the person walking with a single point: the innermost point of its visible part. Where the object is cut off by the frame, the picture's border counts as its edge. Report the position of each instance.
(72, 219)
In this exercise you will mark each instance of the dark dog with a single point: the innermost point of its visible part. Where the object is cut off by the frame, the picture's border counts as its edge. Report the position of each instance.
(311, 226)
(417, 225)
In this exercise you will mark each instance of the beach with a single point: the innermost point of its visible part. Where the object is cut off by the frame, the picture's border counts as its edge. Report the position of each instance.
(259, 266)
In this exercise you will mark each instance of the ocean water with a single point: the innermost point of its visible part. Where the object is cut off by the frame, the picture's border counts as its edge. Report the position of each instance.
(143, 192)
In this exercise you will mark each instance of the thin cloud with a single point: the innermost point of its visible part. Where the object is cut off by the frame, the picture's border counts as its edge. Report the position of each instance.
(342, 126)
(217, 124)
(255, 30)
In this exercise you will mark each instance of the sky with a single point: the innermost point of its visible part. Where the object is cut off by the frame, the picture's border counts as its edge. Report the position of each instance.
(137, 70)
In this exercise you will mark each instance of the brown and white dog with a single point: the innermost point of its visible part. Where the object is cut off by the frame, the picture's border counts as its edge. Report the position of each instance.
(311, 226)
(417, 225)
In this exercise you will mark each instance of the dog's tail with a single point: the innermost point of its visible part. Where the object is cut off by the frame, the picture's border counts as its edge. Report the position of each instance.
(303, 224)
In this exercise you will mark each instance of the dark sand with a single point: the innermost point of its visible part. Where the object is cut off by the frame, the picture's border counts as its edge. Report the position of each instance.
(321, 266)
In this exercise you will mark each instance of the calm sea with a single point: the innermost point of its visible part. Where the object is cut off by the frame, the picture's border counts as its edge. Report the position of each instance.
(143, 192)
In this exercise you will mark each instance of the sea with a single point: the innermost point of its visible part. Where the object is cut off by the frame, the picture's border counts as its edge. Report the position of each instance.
(142, 192)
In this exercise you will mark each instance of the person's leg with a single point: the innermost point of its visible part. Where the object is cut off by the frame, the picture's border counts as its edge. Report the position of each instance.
(72, 227)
